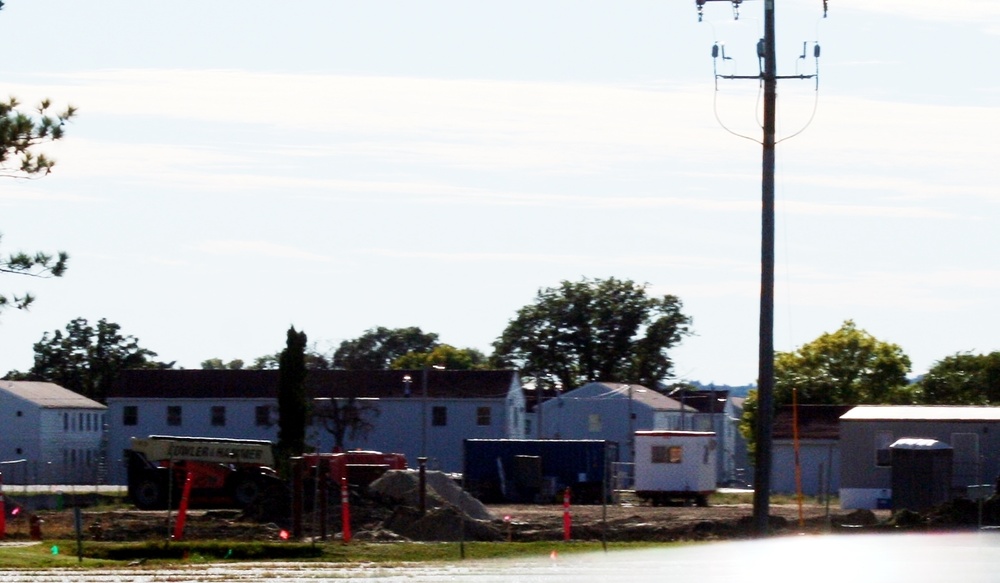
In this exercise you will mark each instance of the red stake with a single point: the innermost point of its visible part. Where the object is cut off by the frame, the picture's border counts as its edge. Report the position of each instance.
(345, 510)
(567, 521)
(182, 510)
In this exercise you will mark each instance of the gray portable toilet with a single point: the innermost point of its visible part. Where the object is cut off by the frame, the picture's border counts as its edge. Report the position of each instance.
(921, 473)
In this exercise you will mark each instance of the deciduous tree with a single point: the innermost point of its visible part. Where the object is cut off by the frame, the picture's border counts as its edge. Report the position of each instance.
(379, 347)
(347, 418)
(444, 355)
(962, 379)
(845, 367)
(87, 359)
(594, 330)
(219, 364)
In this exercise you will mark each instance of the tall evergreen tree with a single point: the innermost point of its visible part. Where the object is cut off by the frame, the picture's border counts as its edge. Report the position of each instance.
(293, 408)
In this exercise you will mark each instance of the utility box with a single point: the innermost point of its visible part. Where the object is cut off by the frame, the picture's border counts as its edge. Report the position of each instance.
(921, 473)
(675, 466)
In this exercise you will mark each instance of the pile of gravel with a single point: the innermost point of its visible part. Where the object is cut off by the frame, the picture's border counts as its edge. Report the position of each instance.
(402, 487)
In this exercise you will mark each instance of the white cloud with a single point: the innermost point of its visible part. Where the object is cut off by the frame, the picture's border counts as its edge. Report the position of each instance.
(259, 249)
(980, 12)
(310, 122)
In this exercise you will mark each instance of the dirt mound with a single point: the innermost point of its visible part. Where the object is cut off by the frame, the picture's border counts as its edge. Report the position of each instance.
(446, 523)
(402, 487)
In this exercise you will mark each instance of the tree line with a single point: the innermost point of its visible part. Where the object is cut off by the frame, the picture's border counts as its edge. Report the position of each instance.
(577, 332)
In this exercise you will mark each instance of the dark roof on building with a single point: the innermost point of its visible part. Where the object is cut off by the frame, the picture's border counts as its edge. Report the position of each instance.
(263, 384)
(815, 421)
(49, 395)
(703, 400)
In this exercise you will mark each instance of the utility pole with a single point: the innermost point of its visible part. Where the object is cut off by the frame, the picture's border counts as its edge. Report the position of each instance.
(765, 364)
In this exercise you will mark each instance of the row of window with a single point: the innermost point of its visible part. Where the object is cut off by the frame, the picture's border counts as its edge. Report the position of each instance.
(263, 416)
(79, 457)
(80, 422)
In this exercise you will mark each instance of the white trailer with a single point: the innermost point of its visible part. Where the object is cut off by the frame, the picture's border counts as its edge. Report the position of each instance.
(675, 466)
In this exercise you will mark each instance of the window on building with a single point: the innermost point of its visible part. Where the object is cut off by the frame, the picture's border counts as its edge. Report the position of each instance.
(65, 421)
(262, 416)
(527, 426)
(483, 416)
(130, 415)
(174, 415)
(594, 423)
(667, 454)
(439, 416)
(218, 416)
(883, 455)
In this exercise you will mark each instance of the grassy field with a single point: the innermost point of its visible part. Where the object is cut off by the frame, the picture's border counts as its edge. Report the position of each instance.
(54, 554)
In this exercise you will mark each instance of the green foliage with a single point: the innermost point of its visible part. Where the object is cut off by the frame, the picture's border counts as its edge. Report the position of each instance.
(293, 409)
(963, 379)
(218, 364)
(33, 265)
(846, 367)
(20, 133)
(594, 330)
(849, 366)
(444, 355)
(87, 359)
(378, 348)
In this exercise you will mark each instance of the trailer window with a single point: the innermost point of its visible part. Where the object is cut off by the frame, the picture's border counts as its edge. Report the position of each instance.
(439, 416)
(483, 415)
(664, 454)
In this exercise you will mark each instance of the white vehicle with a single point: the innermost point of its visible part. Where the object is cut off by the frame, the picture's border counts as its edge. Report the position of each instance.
(675, 466)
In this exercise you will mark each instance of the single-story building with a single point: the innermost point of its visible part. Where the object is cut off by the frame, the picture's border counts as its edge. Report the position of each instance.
(413, 412)
(51, 435)
(868, 431)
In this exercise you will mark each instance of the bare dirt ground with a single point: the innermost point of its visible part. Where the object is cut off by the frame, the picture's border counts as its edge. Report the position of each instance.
(513, 522)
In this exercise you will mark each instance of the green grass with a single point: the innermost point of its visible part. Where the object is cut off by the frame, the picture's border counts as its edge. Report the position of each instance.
(107, 555)
(747, 498)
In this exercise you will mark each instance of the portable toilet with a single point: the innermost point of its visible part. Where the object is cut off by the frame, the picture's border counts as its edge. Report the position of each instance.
(921, 473)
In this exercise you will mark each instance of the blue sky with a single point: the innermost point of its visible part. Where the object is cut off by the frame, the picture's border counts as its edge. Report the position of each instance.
(241, 166)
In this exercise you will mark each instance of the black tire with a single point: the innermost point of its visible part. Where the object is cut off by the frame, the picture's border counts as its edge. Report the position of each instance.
(247, 491)
(701, 501)
(149, 494)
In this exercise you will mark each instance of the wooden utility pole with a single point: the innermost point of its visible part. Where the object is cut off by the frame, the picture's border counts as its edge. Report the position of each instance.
(765, 364)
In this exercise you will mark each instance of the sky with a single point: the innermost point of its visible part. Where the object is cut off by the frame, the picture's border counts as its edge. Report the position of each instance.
(237, 167)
